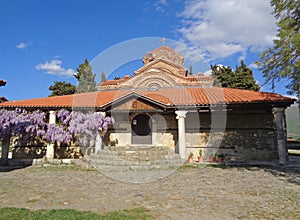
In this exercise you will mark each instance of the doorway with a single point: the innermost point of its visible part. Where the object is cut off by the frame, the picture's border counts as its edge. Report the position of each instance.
(141, 127)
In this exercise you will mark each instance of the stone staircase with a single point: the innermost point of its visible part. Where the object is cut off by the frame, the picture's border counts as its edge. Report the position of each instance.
(140, 157)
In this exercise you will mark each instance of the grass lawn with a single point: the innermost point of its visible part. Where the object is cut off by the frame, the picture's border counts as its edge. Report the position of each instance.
(70, 214)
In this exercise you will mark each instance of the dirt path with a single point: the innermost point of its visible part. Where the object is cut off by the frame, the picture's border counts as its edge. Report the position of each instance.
(209, 193)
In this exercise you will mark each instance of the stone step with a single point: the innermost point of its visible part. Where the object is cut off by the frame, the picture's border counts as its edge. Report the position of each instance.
(132, 163)
(144, 157)
(139, 152)
(134, 157)
(110, 168)
(137, 148)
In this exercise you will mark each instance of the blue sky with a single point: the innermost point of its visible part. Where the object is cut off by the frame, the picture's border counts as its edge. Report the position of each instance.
(45, 41)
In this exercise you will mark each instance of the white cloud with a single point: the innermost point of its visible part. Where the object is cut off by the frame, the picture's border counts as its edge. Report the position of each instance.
(225, 27)
(54, 67)
(208, 72)
(159, 5)
(253, 66)
(22, 45)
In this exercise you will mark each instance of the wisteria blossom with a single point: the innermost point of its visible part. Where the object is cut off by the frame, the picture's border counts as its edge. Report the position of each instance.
(24, 125)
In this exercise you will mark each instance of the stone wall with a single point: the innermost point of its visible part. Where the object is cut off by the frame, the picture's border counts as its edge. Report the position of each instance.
(246, 135)
(34, 152)
(240, 135)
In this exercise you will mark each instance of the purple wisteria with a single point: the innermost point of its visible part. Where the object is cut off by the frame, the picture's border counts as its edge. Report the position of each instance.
(25, 125)
(21, 124)
(85, 125)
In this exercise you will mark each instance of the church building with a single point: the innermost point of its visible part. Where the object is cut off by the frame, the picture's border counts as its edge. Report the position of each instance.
(162, 106)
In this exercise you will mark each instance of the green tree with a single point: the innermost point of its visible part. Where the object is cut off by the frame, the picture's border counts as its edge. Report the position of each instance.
(283, 59)
(103, 76)
(86, 78)
(223, 75)
(191, 70)
(241, 78)
(62, 88)
(244, 78)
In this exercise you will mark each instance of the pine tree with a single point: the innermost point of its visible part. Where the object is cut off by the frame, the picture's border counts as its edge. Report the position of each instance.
(223, 76)
(86, 78)
(62, 88)
(191, 70)
(241, 78)
(283, 59)
(103, 76)
(244, 78)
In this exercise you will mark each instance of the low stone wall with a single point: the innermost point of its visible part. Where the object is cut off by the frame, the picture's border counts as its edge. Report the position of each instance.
(36, 152)
(28, 152)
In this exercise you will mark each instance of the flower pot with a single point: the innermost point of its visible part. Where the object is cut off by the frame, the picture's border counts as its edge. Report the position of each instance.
(212, 159)
(200, 159)
(221, 160)
(190, 160)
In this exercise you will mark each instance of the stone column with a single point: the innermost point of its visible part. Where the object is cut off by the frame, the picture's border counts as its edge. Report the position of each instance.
(98, 143)
(181, 115)
(281, 136)
(50, 146)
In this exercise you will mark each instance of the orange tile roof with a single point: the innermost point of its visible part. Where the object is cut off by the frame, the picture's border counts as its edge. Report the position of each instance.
(111, 82)
(169, 97)
(213, 95)
(2, 82)
(114, 81)
(199, 78)
(3, 99)
(163, 48)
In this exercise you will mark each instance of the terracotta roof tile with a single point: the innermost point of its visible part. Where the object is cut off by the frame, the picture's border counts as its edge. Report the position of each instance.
(114, 81)
(2, 82)
(150, 64)
(111, 82)
(199, 78)
(168, 97)
(3, 99)
(163, 48)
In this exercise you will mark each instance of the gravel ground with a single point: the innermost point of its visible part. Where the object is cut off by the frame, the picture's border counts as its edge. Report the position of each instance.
(187, 193)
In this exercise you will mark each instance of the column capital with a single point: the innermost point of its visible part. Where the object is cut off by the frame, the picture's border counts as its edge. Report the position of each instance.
(278, 109)
(102, 113)
(52, 117)
(180, 114)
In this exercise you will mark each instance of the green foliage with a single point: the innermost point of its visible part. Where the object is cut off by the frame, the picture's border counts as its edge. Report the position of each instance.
(191, 70)
(65, 214)
(241, 78)
(86, 78)
(103, 77)
(62, 88)
(200, 152)
(283, 59)
(244, 78)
